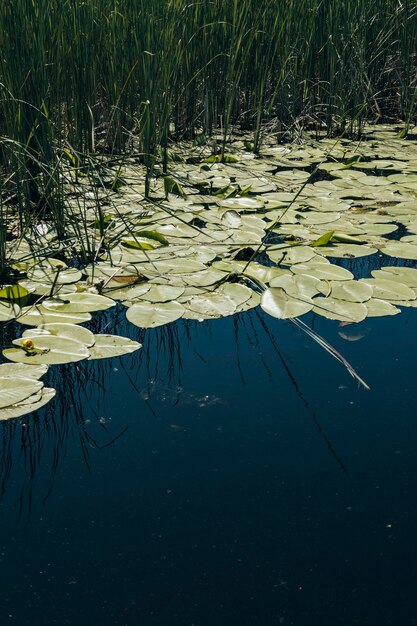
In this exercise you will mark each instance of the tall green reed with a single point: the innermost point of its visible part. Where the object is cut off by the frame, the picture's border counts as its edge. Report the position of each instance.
(83, 77)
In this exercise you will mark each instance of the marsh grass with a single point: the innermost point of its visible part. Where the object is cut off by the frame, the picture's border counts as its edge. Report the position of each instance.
(80, 78)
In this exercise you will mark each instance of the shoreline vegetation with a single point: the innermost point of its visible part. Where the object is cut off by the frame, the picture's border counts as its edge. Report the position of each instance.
(197, 160)
(79, 80)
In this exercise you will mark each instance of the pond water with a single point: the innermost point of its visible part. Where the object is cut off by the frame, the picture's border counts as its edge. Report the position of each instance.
(230, 473)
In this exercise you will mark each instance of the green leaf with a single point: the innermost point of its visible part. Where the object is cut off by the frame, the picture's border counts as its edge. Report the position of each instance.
(13, 293)
(172, 186)
(154, 236)
(323, 240)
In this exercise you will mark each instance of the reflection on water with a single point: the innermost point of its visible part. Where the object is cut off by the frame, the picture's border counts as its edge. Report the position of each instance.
(228, 473)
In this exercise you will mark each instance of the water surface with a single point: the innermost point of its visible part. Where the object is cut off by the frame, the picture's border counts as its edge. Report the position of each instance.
(229, 473)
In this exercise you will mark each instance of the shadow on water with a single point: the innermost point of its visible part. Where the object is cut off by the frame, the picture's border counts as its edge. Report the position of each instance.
(40, 440)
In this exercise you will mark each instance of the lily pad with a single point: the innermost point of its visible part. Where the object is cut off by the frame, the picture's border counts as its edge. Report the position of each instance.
(380, 308)
(8, 311)
(390, 290)
(15, 390)
(276, 302)
(70, 331)
(37, 315)
(109, 346)
(30, 405)
(322, 271)
(48, 349)
(20, 370)
(340, 309)
(84, 302)
(349, 290)
(147, 315)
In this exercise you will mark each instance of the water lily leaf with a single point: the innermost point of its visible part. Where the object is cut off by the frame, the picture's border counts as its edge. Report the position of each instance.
(340, 309)
(276, 302)
(83, 302)
(400, 250)
(238, 293)
(218, 158)
(129, 293)
(211, 305)
(138, 244)
(390, 290)
(121, 274)
(380, 308)
(322, 271)
(347, 251)
(350, 290)
(16, 390)
(44, 289)
(253, 302)
(71, 331)
(288, 255)
(37, 315)
(25, 407)
(162, 293)
(232, 219)
(14, 293)
(172, 186)
(149, 315)
(405, 275)
(154, 236)
(48, 349)
(242, 204)
(20, 370)
(174, 266)
(8, 311)
(109, 346)
(204, 278)
(323, 240)
(53, 272)
(298, 285)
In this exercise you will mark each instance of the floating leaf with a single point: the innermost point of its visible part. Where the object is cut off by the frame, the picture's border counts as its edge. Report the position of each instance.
(400, 250)
(172, 186)
(350, 290)
(390, 290)
(276, 302)
(109, 346)
(70, 331)
(37, 315)
(322, 271)
(405, 275)
(211, 305)
(162, 293)
(323, 240)
(380, 308)
(48, 349)
(15, 390)
(83, 302)
(147, 315)
(288, 255)
(340, 309)
(30, 405)
(13, 293)
(20, 370)
(8, 311)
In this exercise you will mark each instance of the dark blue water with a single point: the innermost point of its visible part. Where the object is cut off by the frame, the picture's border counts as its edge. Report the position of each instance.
(230, 473)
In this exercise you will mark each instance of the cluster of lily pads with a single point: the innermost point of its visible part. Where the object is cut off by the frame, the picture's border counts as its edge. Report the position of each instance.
(217, 238)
